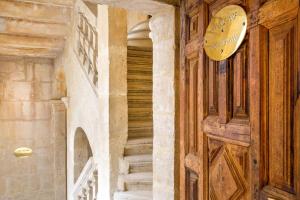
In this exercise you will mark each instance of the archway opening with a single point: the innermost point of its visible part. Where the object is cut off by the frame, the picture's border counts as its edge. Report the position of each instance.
(82, 152)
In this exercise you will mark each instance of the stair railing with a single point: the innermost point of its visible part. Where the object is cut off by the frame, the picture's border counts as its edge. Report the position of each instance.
(86, 186)
(86, 44)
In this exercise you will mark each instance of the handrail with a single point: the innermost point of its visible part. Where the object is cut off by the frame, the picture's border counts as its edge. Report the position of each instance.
(84, 173)
(87, 182)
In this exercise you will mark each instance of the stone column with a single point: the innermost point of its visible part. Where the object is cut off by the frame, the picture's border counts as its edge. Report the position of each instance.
(112, 43)
(163, 34)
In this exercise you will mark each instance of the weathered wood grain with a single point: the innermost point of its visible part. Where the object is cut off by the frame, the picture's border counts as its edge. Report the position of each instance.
(239, 118)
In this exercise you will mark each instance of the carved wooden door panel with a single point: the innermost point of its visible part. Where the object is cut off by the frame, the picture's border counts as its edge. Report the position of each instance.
(281, 145)
(239, 118)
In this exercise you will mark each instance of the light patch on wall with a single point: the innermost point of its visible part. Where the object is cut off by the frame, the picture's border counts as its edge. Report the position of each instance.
(23, 152)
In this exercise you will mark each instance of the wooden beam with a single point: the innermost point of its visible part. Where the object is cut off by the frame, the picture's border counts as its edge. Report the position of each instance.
(11, 41)
(35, 12)
(67, 3)
(27, 28)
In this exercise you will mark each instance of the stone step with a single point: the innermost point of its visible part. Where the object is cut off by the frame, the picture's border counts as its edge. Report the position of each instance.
(138, 146)
(140, 43)
(140, 107)
(139, 51)
(138, 181)
(139, 132)
(133, 124)
(137, 118)
(133, 195)
(140, 85)
(135, 135)
(142, 67)
(140, 163)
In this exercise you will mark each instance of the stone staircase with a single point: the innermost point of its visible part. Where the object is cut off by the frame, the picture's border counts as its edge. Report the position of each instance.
(135, 176)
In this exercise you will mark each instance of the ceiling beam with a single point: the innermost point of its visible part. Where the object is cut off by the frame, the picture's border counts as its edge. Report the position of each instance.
(27, 28)
(35, 12)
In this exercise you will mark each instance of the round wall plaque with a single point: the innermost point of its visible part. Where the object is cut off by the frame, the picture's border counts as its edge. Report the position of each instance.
(225, 32)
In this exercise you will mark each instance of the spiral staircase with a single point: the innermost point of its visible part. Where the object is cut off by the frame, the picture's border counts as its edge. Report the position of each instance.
(135, 175)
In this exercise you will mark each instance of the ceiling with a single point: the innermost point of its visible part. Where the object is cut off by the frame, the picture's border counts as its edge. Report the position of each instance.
(34, 28)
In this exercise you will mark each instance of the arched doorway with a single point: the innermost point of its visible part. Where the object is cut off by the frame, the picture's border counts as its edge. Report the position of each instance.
(82, 152)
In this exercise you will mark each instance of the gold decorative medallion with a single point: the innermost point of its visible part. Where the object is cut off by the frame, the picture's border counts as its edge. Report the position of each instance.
(23, 152)
(225, 32)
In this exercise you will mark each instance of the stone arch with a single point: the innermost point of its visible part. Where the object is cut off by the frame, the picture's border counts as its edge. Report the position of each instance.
(82, 151)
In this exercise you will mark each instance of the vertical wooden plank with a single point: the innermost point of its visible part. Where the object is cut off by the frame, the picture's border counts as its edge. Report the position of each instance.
(213, 87)
(240, 84)
(297, 146)
(202, 108)
(297, 114)
(192, 105)
(223, 91)
(281, 105)
(258, 57)
(182, 102)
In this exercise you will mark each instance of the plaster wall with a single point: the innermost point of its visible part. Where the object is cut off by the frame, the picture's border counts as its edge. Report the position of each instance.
(82, 108)
(29, 117)
(101, 112)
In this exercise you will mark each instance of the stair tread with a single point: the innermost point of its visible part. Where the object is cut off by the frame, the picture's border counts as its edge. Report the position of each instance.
(140, 141)
(133, 195)
(139, 158)
(142, 157)
(146, 177)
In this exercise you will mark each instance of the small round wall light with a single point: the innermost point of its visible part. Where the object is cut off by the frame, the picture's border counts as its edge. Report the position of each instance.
(23, 152)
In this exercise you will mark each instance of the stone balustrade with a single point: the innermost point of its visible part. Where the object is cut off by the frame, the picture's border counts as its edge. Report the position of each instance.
(87, 43)
(86, 187)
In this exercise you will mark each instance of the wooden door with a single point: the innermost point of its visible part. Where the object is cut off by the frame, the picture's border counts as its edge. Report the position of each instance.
(240, 118)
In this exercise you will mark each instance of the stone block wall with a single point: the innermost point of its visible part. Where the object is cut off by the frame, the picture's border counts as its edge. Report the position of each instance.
(29, 118)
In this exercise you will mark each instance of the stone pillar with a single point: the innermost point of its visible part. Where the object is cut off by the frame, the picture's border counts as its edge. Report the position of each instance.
(163, 34)
(58, 129)
(112, 43)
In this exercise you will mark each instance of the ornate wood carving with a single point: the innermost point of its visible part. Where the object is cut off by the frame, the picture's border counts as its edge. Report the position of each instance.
(226, 171)
(192, 182)
(193, 104)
